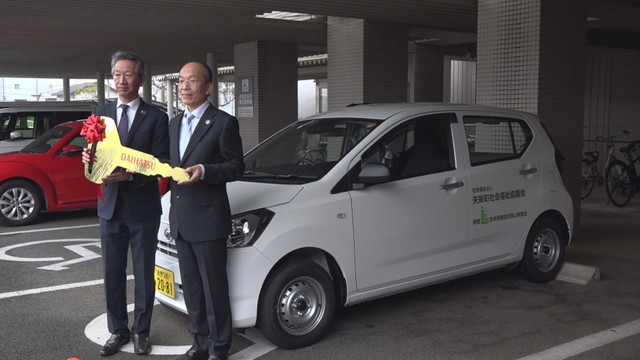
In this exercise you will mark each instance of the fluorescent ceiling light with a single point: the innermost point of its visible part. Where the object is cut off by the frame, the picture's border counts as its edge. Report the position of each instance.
(426, 40)
(283, 15)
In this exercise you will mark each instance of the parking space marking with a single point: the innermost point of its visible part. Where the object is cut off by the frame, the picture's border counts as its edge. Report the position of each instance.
(49, 229)
(587, 343)
(53, 288)
(81, 249)
(85, 254)
(97, 332)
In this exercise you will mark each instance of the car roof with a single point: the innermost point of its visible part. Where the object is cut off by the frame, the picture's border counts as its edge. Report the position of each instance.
(46, 109)
(47, 104)
(72, 123)
(384, 111)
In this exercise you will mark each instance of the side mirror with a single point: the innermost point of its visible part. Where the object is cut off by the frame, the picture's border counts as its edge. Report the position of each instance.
(71, 150)
(374, 174)
(15, 135)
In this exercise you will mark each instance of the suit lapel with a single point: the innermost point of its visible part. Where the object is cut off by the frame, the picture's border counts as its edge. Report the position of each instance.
(143, 109)
(174, 137)
(205, 123)
(111, 112)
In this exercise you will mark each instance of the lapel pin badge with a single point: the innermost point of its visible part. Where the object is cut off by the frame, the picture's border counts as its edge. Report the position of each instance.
(208, 122)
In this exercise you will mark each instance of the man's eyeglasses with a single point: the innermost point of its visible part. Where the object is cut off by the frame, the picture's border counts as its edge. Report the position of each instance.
(191, 82)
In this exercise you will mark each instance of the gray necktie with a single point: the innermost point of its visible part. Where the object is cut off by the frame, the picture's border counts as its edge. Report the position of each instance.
(123, 125)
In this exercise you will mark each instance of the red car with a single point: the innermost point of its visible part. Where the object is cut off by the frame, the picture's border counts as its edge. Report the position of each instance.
(46, 175)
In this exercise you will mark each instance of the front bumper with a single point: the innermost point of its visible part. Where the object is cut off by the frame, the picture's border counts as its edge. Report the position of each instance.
(247, 269)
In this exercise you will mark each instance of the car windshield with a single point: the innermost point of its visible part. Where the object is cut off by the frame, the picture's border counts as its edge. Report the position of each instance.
(43, 143)
(305, 150)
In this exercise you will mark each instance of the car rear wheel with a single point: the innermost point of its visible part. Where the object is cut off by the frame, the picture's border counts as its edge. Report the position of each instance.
(20, 203)
(297, 306)
(619, 183)
(544, 251)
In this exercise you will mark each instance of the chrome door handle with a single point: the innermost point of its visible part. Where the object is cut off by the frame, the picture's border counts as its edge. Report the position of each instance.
(527, 171)
(454, 185)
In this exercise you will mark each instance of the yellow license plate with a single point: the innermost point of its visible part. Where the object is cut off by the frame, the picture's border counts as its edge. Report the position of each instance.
(165, 283)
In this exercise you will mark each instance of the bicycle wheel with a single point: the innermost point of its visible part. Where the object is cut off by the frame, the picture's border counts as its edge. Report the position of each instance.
(619, 183)
(588, 179)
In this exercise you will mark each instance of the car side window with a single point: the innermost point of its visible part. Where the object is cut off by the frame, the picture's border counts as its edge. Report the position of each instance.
(5, 120)
(418, 147)
(79, 141)
(492, 139)
(26, 123)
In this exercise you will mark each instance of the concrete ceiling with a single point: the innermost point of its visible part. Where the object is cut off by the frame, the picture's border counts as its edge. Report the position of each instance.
(72, 38)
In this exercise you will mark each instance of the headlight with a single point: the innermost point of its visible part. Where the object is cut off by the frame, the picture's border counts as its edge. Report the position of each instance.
(247, 227)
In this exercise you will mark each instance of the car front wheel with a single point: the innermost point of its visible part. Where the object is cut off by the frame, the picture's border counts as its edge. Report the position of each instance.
(297, 306)
(544, 251)
(20, 203)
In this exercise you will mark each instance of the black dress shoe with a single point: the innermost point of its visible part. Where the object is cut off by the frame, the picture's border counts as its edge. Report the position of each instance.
(218, 357)
(194, 354)
(141, 344)
(114, 344)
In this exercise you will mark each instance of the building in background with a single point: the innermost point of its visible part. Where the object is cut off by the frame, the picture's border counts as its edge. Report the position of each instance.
(25, 89)
(85, 91)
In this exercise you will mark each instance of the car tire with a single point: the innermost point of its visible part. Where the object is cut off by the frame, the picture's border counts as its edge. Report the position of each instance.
(20, 203)
(544, 251)
(297, 305)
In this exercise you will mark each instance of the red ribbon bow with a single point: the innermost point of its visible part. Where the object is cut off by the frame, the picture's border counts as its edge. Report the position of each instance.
(93, 129)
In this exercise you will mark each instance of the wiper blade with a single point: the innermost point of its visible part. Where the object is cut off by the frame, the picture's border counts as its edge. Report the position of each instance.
(254, 174)
(250, 174)
(295, 176)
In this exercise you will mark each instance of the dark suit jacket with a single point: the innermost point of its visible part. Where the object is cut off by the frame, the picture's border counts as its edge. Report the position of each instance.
(200, 211)
(149, 134)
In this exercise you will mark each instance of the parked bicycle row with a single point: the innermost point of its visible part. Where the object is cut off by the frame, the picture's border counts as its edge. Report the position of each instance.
(618, 173)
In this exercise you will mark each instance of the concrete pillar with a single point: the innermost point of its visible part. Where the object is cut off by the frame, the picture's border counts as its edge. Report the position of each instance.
(66, 89)
(170, 110)
(427, 73)
(266, 89)
(367, 62)
(100, 84)
(146, 87)
(212, 61)
(531, 57)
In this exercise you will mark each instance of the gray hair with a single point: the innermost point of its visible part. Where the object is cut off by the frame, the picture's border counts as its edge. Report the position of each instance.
(128, 55)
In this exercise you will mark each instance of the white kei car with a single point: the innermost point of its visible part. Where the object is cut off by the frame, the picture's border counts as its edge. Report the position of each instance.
(373, 200)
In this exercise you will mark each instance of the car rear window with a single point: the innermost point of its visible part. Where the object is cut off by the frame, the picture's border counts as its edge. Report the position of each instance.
(492, 139)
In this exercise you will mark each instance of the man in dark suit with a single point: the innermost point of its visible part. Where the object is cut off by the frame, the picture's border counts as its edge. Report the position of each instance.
(206, 142)
(130, 208)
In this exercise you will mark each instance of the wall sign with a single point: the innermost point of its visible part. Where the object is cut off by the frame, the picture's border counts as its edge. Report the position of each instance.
(244, 89)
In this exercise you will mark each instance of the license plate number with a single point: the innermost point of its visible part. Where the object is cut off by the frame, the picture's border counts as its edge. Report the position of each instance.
(165, 283)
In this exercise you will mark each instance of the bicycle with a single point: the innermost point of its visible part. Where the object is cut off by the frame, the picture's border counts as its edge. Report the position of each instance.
(622, 180)
(590, 173)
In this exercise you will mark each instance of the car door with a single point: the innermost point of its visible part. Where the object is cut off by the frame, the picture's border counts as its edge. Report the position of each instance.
(504, 179)
(70, 183)
(412, 225)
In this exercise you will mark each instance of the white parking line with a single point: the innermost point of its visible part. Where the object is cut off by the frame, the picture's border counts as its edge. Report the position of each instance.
(49, 229)
(587, 343)
(262, 346)
(97, 331)
(53, 288)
